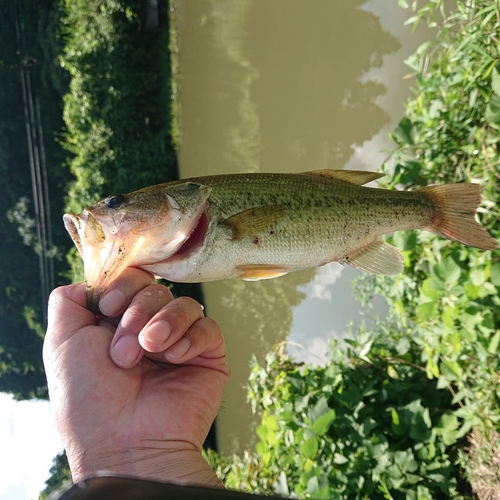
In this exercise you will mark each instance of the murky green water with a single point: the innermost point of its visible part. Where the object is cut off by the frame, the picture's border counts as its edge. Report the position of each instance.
(285, 86)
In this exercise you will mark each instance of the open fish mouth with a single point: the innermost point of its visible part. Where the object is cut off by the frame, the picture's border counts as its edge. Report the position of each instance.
(104, 258)
(196, 239)
(106, 254)
(84, 230)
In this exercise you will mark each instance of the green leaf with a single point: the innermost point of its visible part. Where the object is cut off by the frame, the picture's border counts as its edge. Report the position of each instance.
(365, 350)
(339, 459)
(271, 422)
(472, 291)
(405, 461)
(447, 270)
(447, 428)
(395, 417)
(495, 274)
(493, 345)
(477, 276)
(488, 321)
(309, 447)
(403, 346)
(322, 423)
(449, 315)
(318, 489)
(431, 287)
(487, 289)
(432, 368)
(403, 132)
(261, 448)
(495, 82)
(281, 486)
(427, 310)
(319, 409)
(405, 240)
(492, 113)
(451, 370)
(391, 371)
(398, 425)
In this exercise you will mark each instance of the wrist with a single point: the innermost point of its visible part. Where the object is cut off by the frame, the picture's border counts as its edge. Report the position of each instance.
(170, 463)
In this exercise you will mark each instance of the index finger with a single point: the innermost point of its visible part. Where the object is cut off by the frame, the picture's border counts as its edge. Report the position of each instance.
(121, 292)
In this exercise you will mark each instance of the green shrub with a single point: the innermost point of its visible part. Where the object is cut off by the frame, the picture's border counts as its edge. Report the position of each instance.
(451, 133)
(368, 425)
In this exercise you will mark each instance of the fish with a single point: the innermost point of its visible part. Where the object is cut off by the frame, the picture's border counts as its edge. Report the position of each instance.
(263, 225)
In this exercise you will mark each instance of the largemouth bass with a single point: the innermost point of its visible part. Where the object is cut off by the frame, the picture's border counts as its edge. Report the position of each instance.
(259, 226)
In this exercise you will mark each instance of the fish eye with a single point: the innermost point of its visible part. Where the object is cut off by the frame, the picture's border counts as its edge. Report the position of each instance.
(115, 201)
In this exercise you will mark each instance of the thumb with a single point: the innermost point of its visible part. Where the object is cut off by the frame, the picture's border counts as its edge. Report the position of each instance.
(67, 312)
(73, 335)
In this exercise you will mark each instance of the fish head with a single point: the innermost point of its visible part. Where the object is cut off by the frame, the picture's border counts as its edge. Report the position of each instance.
(134, 229)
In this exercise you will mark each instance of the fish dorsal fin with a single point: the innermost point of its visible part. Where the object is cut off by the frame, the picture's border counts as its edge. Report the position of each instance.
(378, 258)
(255, 272)
(359, 177)
(255, 220)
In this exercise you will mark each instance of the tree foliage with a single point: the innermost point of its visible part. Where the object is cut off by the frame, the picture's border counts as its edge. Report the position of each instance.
(29, 42)
(117, 114)
(60, 477)
(118, 109)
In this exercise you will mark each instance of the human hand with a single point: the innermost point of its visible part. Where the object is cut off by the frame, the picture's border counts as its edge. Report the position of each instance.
(134, 393)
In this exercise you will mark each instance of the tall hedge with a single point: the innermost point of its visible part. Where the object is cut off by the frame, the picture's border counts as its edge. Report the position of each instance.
(118, 109)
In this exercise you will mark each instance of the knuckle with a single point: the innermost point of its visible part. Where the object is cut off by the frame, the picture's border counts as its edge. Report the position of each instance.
(183, 310)
(209, 327)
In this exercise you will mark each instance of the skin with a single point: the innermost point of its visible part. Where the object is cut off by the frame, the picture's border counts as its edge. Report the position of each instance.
(134, 393)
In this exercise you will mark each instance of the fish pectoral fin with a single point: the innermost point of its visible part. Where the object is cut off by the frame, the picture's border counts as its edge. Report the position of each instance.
(359, 177)
(255, 272)
(378, 258)
(254, 220)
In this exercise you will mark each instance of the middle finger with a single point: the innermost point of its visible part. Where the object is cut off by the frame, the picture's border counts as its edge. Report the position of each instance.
(125, 349)
(170, 324)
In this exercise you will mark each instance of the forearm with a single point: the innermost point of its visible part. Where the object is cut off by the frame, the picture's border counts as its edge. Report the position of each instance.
(179, 466)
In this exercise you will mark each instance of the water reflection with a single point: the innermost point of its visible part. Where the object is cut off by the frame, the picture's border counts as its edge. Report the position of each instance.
(329, 310)
(313, 103)
(284, 86)
(253, 316)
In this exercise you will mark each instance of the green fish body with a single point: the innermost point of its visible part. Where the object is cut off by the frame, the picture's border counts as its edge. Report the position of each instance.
(258, 226)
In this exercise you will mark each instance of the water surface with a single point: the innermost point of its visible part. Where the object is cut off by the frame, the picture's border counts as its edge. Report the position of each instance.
(285, 86)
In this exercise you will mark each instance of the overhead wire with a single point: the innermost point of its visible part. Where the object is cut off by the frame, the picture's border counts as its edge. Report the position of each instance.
(38, 169)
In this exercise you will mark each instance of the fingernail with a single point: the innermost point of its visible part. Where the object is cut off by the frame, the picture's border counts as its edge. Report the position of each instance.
(157, 333)
(125, 351)
(112, 302)
(179, 348)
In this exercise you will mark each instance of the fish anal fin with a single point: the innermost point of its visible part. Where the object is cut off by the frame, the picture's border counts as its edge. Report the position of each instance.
(377, 258)
(359, 177)
(255, 272)
(255, 220)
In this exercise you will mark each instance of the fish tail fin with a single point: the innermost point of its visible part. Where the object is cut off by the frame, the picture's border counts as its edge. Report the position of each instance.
(454, 219)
